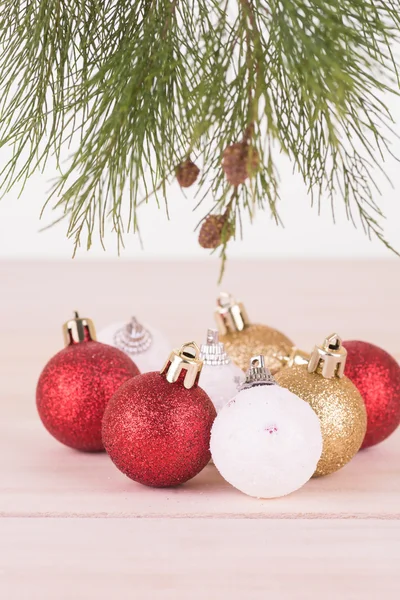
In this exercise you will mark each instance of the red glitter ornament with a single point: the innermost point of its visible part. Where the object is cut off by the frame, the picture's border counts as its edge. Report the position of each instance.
(376, 374)
(156, 427)
(76, 384)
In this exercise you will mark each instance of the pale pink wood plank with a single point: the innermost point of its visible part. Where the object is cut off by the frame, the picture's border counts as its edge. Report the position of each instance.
(309, 300)
(82, 559)
(42, 477)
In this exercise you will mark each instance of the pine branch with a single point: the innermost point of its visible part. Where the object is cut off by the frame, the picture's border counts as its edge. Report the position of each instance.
(135, 88)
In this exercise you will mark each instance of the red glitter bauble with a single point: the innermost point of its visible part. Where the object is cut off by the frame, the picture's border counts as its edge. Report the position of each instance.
(74, 388)
(158, 433)
(376, 374)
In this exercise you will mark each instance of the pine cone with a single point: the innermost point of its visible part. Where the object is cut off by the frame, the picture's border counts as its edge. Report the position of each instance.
(187, 173)
(239, 162)
(210, 235)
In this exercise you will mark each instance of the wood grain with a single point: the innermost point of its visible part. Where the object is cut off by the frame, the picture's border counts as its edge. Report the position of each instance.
(187, 559)
(40, 477)
(72, 526)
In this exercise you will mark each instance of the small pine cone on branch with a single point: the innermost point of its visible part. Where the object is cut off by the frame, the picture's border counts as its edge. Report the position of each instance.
(239, 161)
(212, 233)
(187, 173)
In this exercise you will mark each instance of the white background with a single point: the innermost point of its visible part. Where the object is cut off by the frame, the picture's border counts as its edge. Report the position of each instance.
(305, 233)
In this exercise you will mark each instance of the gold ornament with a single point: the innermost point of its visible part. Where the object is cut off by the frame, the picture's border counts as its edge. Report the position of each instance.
(334, 398)
(243, 339)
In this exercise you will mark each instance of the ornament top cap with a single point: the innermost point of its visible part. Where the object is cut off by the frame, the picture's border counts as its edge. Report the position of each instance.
(213, 351)
(329, 359)
(133, 338)
(257, 374)
(78, 330)
(230, 315)
(294, 358)
(187, 358)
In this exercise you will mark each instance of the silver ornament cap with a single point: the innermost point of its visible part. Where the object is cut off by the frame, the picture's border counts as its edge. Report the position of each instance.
(257, 374)
(213, 351)
(133, 338)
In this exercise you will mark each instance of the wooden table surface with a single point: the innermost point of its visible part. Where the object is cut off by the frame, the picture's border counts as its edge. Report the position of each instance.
(73, 527)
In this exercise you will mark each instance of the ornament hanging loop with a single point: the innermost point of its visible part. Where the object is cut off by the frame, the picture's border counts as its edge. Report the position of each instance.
(213, 351)
(230, 315)
(78, 330)
(133, 338)
(187, 358)
(294, 358)
(329, 359)
(257, 374)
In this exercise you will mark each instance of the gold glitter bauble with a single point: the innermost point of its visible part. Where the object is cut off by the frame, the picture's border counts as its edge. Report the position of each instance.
(341, 411)
(253, 340)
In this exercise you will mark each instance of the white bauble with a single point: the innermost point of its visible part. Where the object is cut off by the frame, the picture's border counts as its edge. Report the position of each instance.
(266, 441)
(220, 377)
(221, 382)
(146, 346)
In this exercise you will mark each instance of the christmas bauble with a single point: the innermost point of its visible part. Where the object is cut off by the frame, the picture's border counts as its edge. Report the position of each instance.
(220, 377)
(376, 375)
(334, 398)
(266, 441)
(146, 346)
(242, 339)
(76, 384)
(156, 427)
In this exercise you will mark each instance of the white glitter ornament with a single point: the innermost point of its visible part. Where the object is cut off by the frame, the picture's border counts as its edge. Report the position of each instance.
(220, 377)
(266, 441)
(146, 346)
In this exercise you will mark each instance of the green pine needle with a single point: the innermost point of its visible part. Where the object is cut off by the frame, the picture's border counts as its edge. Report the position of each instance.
(137, 87)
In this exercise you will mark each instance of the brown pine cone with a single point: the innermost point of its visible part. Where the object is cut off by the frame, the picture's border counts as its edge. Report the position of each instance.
(210, 235)
(187, 173)
(239, 161)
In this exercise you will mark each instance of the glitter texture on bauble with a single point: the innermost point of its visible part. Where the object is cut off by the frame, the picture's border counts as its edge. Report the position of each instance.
(334, 398)
(243, 339)
(266, 441)
(76, 384)
(156, 428)
(376, 375)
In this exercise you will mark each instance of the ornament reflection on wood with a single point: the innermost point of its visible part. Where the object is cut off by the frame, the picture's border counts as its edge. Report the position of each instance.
(334, 398)
(156, 428)
(243, 339)
(220, 377)
(76, 384)
(376, 375)
(266, 441)
(145, 345)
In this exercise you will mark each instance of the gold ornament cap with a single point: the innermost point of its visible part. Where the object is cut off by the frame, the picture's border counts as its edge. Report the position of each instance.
(230, 315)
(257, 374)
(295, 358)
(187, 358)
(329, 359)
(78, 330)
